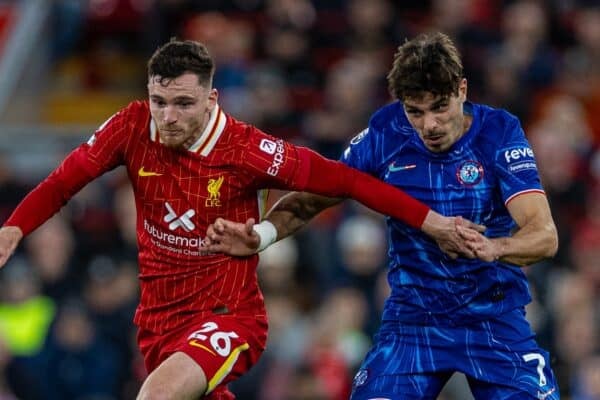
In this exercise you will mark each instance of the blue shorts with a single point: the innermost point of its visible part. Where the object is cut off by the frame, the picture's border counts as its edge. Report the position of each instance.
(499, 357)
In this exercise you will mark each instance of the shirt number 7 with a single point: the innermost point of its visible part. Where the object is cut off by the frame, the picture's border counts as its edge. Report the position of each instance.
(540, 367)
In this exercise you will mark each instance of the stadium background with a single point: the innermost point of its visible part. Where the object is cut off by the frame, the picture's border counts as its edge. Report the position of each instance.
(311, 72)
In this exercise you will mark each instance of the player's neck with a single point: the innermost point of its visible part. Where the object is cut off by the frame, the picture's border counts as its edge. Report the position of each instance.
(464, 125)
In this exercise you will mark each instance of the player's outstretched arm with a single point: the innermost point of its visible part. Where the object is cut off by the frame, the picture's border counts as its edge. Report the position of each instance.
(10, 236)
(329, 182)
(296, 209)
(46, 199)
(334, 178)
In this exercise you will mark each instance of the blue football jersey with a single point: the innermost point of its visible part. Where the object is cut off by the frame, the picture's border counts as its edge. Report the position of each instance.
(488, 166)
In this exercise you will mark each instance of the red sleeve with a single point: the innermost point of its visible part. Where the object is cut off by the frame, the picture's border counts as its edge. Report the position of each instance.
(102, 152)
(53, 192)
(335, 179)
(278, 164)
(273, 162)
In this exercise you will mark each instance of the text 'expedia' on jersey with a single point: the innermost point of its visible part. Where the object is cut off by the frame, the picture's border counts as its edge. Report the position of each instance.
(278, 158)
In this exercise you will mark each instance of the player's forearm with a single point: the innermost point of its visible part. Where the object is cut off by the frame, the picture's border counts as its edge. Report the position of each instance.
(294, 210)
(52, 193)
(528, 245)
(335, 179)
(37, 207)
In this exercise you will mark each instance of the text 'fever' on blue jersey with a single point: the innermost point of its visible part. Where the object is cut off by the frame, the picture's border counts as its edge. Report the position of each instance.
(487, 167)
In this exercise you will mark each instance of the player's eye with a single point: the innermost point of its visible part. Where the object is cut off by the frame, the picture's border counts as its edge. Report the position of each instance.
(159, 102)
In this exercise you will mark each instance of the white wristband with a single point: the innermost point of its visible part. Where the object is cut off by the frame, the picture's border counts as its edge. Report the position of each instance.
(267, 233)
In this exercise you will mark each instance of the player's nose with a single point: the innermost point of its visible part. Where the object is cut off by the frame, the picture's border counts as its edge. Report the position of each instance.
(170, 114)
(429, 122)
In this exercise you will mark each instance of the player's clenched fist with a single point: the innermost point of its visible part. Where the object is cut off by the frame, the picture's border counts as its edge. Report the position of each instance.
(9, 239)
(233, 238)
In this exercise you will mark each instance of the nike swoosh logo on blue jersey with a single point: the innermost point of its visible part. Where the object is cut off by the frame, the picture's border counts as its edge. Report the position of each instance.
(393, 168)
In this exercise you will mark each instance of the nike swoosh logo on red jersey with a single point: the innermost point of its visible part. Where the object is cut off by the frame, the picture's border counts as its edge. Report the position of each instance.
(143, 173)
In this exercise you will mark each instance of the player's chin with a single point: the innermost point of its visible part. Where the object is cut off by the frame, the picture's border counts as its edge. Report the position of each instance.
(436, 149)
(172, 142)
(438, 146)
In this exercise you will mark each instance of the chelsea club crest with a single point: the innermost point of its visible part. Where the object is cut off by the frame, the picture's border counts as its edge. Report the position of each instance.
(470, 173)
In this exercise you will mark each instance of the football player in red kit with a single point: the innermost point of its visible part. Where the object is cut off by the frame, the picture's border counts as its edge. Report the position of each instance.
(201, 316)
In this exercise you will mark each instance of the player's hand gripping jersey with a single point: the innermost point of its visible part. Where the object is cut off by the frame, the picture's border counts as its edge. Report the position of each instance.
(179, 193)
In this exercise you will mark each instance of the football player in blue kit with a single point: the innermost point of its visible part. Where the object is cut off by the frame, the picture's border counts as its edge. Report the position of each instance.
(446, 312)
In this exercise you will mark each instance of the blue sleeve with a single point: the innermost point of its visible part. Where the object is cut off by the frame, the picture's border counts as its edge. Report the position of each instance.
(516, 168)
(359, 153)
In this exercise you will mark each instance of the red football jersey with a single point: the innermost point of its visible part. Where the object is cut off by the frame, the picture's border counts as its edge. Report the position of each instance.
(178, 194)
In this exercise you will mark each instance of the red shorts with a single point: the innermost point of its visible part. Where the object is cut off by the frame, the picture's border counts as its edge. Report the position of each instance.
(225, 346)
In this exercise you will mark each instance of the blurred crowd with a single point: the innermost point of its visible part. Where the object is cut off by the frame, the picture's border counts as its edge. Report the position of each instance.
(310, 71)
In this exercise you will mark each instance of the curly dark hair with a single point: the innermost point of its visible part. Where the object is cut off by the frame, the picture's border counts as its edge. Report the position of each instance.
(177, 57)
(428, 63)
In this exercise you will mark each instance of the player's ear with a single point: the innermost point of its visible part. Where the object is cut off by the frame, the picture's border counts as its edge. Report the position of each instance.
(462, 89)
(213, 96)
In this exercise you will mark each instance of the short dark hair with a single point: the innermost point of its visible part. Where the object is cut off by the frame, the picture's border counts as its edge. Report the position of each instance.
(428, 63)
(177, 57)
